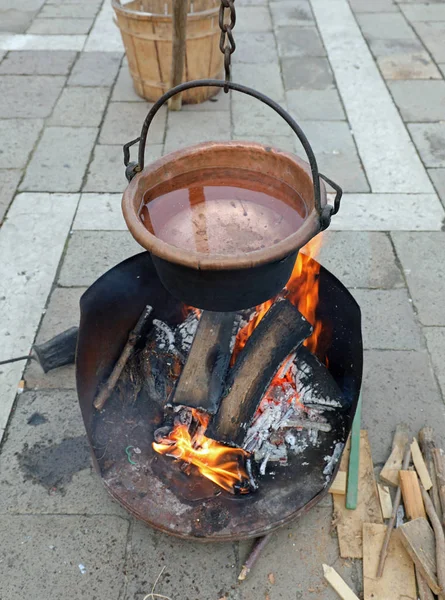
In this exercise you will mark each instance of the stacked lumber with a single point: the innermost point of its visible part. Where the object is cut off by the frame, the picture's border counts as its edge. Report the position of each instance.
(406, 562)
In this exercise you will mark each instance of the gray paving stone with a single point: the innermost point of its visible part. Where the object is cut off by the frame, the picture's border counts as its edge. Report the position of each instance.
(379, 6)
(84, 10)
(60, 160)
(62, 313)
(95, 69)
(421, 255)
(91, 253)
(2, 55)
(219, 102)
(40, 557)
(291, 12)
(80, 107)
(123, 90)
(419, 101)
(302, 42)
(388, 320)
(295, 556)
(310, 73)
(26, 132)
(374, 264)
(257, 48)
(41, 62)
(252, 118)
(123, 122)
(189, 567)
(390, 26)
(106, 172)
(252, 2)
(395, 47)
(71, 487)
(60, 26)
(253, 18)
(28, 97)
(323, 105)
(442, 68)
(423, 11)
(9, 180)
(408, 66)
(266, 78)
(435, 339)
(429, 139)
(336, 155)
(438, 178)
(197, 127)
(399, 386)
(432, 35)
(15, 21)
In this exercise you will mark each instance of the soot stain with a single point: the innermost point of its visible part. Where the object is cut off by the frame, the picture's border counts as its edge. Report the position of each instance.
(37, 419)
(54, 466)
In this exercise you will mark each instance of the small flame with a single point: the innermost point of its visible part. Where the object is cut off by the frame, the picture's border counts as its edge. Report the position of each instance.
(221, 464)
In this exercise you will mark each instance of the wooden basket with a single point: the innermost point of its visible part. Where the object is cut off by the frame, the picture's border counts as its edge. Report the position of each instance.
(146, 29)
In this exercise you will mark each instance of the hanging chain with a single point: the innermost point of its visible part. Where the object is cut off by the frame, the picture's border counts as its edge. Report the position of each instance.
(227, 42)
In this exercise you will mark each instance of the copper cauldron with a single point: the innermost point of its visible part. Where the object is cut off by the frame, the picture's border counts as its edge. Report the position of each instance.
(230, 278)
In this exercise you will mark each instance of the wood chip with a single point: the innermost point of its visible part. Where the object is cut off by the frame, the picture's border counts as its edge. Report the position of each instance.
(338, 584)
(385, 500)
(350, 522)
(271, 578)
(390, 472)
(411, 494)
(398, 580)
(420, 465)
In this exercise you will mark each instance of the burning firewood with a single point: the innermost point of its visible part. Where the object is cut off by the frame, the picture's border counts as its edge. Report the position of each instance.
(279, 333)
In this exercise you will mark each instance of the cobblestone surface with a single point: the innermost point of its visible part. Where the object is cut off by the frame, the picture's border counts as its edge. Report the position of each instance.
(365, 81)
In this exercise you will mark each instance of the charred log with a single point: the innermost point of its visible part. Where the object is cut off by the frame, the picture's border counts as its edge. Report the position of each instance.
(280, 332)
(202, 379)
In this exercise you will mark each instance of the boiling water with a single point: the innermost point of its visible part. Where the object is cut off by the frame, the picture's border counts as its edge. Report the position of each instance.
(222, 219)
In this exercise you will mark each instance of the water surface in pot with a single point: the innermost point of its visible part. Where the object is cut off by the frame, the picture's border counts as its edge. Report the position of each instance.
(217, 214)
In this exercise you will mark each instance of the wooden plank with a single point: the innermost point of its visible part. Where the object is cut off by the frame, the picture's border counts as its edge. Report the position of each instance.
(427, 445)
(418, 539)
(420, 465)
(385, 500)
(354, 460)
(439, 464)
(411, 494)
(423, 589)
(350, 523)
(179, 24)
(338, 584)
(390, 472)
(398, 580)
(339, 484)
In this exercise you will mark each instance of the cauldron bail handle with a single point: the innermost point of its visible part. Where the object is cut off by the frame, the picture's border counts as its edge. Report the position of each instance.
(132, 169)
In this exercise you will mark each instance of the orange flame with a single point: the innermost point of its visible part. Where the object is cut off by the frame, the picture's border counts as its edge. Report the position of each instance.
(219, 463)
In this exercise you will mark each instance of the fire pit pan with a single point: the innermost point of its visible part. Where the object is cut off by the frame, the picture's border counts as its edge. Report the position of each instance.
(234, 281)
(152, 487)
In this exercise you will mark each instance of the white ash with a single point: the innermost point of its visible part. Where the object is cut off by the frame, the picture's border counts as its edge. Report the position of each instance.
(331, 461)
(165, 337)
(185, 332)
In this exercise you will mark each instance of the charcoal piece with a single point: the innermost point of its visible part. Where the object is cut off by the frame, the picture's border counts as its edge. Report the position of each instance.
(279, 333)
(58, 351)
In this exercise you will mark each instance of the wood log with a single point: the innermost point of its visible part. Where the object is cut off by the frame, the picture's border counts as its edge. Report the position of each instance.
(418, 540)
(439, 464)
(412, 497)
(420, 465)
(279, 333)
(427, 444)
(58, 351)
(202, 379)
(179, 23)
(439, 537)
(390, 472)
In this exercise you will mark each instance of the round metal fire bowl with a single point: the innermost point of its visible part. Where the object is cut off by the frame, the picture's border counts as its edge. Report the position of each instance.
(152, 487)
(225, 282)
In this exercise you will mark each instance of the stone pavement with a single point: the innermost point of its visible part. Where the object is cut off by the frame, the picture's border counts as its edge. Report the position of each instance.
(365, 79)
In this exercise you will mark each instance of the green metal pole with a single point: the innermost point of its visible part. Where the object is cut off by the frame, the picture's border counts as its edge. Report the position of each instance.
(354, 460)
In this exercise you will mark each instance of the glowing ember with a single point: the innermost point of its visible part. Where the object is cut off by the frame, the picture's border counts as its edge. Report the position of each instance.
(219, 463)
